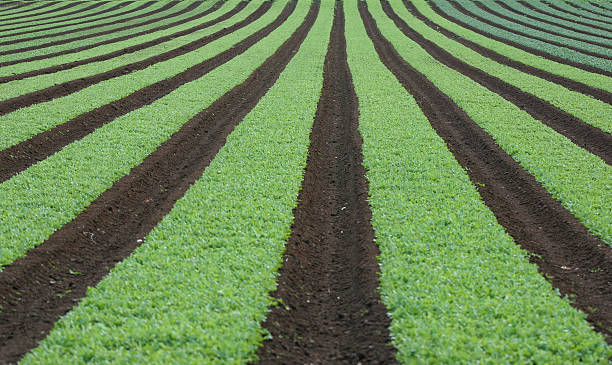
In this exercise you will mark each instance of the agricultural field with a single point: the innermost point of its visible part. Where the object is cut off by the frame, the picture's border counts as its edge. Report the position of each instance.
(306, 182)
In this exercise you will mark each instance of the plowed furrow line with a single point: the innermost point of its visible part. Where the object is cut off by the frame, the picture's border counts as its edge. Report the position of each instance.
(60, 9)
(539, 27)
(21, 156)
(92, 35)
(116, 21)
(92, 18)
(573, 85)
(545, 21)
(581, 8)
(45, 5)
(460, 7)
(330, 275)
(533, 51)
(66, 66)
(572, 14)
(568, 18)
(124, 214)
(131, 49)
(80, 11)
(574, 260)
(73, 86)
(584, 135)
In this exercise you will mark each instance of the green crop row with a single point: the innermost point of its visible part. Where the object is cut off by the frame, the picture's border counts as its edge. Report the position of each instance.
(38, 201)
(108, 48)
(491, 4)
(50, 10)
(561, 4)
(562, 52)
(21, 87)
(24, 123)
(197, 289)
(588, 78)
(73, 44)
(9, 12)
(516, 5)
(606, 10)
(578, 179)
(457, 288)
(34, 25)
(584, 107)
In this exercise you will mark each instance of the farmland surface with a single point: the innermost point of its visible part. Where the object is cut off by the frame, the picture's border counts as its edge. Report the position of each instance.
(306, 181)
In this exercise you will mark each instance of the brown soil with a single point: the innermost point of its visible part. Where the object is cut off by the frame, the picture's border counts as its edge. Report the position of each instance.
(568, 18)
(331, 312)
(572, 14)
(61, 8)
(575, 261)
(533, 51)
(114, 54)
(488, 21)
(584, 135)
(522, 13)
(122, 19)
(73, 86)
(91, 35)
(486, 52)
(91, 7)
(21, 156)
(32, 289)
(539, 27)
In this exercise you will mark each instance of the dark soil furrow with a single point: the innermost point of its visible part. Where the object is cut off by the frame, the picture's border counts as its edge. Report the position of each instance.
(584, 135)
(80, 11)
(121, 217)
(90, 18)
(216, 6)
(543, 28)
(121, 19)
(563, 26)
(533, 51)
(598, 94)
(73, 86)
(492, 23)
(572, 14)
(131, 49)
(581, 8)
(331, 311)
(21, 156)
(568, 18)
(575, 261)
(54, 12)
(92, 35)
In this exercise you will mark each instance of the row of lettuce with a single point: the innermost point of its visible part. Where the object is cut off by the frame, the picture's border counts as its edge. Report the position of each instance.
(458, 289)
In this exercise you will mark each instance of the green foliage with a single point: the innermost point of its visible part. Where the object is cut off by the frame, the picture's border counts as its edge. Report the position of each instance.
(458, 289)
(197, 289)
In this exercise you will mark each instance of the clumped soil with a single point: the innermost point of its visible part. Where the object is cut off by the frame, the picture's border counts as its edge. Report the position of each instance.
(572, 259)
(329, 309)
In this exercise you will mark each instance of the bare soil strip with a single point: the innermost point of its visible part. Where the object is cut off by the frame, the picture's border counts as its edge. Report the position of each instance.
(73, 86)
(32, 288)
(80, 11)
(584, 135)
(92, 15)
(121, 19)
(69, 5)
(568, 18)
(135, 48)
(329, 278)
(598, 94)
(521, 13)
(573, 15)
(21, 156)
(533, 51)
(460, 7)
(575, 261)
(91, 35)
